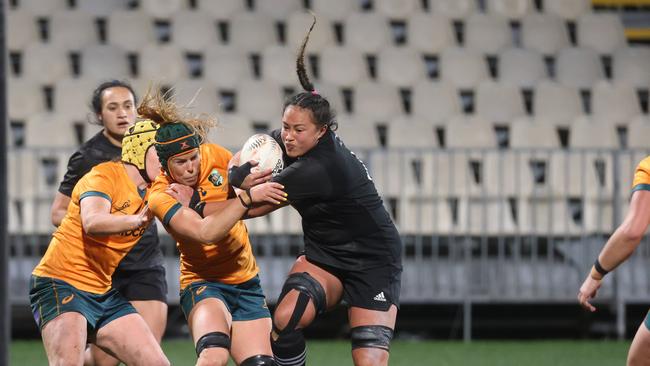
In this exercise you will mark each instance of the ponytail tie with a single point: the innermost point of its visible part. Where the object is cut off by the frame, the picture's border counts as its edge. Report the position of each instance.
(314, 92)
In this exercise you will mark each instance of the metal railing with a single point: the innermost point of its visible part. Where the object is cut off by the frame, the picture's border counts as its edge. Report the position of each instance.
(479, 225)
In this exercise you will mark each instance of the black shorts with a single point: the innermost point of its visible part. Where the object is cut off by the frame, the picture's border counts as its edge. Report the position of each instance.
(142, 284)
(374, 289)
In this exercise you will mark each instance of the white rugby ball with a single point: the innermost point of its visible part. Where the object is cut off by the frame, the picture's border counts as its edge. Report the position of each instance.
(265, 150)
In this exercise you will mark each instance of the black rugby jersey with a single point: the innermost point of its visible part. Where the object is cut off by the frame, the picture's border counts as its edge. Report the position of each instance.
(344, 221)
(98, 149)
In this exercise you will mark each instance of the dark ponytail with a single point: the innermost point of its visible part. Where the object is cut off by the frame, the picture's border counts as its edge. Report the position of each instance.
(310, 99)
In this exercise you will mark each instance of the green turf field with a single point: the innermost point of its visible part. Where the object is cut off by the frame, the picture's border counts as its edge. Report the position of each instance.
(481, 353)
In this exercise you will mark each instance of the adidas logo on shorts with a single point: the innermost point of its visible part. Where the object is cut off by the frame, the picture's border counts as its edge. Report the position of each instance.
(380, 297)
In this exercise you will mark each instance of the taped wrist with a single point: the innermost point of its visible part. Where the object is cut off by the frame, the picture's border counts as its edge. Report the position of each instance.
(237, 174)
(600, 268)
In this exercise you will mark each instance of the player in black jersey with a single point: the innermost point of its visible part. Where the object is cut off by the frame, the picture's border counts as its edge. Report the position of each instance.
(140, 277)
(352, 248)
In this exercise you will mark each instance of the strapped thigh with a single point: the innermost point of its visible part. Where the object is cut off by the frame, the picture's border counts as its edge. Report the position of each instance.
(371, 336)
(213, 339)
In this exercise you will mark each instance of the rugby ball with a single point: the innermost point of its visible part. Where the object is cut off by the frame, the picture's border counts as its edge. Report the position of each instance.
(265, 150)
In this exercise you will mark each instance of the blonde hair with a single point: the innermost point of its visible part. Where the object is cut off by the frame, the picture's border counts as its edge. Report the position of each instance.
(161, 108)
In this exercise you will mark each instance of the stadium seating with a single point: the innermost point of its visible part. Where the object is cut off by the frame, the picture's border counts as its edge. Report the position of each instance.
(430, 33)
(70, 31)
(544, 33)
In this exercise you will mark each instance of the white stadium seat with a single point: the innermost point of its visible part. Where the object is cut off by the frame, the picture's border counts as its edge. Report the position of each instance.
(435, 102)
(521, 68)
(556, 103)
(251, 32)
(454, 9)
(498, 102)
(470, 132)
(343, 66)
(588, 133)
(221, 9)
(463, 67)
(22, 29)
(567, 9)
(231, 132)
(164, 9)
(528, 132)
(43, 8)
(404, 132)
(102, 8)
(579, 67)
(260, 101)
(631, 66)
(104, 62)
(602, 32)
(376, 102)
(397, 8)
(194, 31)
(615, 104)
(511, 9)
(430, 32)
(322, 35)
(544, 33)
(487, 33)
(400, 66)
(162, 64)
(25, 99)
(198, 96)
(367, 32)
(130, 30)
(278, 9)
(226, 66)
(279, 65)
(336, 10)
(638, 131)
(39, 57)
(72, 30)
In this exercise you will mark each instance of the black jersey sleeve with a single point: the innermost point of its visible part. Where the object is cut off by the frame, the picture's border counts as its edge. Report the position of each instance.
(78, 166)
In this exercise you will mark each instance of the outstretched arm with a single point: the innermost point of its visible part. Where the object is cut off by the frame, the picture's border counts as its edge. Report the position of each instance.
(619, 247)
(96, 217)
(220, 217)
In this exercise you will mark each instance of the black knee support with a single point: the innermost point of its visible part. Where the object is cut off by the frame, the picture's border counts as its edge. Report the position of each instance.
(371, 336)
(304, 283)
(213, 339)
(259, 360)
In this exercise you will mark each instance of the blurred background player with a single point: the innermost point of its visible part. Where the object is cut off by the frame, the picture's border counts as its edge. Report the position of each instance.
(221, 295)
(140, 276)
(70, 291)
(352, 248)
(617, 250)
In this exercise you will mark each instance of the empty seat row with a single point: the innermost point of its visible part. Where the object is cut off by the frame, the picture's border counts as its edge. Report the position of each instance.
(568, 9)
(432, 102)
(193, 31)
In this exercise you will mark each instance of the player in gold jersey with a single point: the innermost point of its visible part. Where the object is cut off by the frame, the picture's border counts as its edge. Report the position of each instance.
(70, 293)
(619, 248)
(221, 294)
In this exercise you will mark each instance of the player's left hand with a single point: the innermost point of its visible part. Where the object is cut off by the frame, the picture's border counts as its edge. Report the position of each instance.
(588, 291)
(182, 193)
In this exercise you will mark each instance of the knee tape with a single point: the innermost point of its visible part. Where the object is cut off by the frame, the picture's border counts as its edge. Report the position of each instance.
(259, 360)
(371, 336)
(308, 288)
(213, 339)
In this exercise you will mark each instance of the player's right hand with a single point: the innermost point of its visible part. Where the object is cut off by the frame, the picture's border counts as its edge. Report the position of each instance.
(588, 291)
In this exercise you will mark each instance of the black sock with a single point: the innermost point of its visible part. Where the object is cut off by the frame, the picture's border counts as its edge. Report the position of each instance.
(289, 349)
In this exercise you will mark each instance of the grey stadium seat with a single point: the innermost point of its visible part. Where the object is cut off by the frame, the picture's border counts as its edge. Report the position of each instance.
(602, 32)
(487, 33)
(430, 33)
